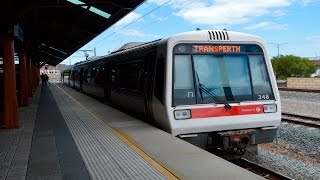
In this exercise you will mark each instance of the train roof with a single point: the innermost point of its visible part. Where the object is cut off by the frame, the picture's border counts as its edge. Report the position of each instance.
(92, 59)
(215, 36)
(128, 46)
(134, 45)
(197, 36)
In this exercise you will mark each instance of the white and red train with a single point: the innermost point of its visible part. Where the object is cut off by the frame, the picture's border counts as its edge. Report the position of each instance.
(215, 89)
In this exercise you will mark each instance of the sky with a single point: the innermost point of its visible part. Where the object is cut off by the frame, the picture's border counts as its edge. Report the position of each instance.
(290, 26)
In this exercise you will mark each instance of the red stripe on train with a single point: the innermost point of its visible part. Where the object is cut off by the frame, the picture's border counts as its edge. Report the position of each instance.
(222, 111)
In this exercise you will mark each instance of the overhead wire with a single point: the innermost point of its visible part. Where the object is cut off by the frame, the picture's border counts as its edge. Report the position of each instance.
(169, 14)
(187, 4)
(131, 23)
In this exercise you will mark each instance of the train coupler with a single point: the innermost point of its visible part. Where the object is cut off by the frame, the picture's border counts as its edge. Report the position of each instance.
(237, 141)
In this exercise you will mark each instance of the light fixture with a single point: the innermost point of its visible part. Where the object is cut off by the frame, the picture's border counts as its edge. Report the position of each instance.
(92, 9)
(99, 12)
(77, 2)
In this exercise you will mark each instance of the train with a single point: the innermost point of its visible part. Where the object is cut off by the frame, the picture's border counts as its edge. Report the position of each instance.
(215, 89)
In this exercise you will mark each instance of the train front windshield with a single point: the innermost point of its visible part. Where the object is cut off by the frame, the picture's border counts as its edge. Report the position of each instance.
(215, 73)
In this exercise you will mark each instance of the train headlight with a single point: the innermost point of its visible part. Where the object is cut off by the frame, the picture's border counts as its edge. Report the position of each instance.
(270, 108)
(182, 114)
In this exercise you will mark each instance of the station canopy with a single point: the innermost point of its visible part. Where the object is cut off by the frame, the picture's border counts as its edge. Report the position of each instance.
(52, 30)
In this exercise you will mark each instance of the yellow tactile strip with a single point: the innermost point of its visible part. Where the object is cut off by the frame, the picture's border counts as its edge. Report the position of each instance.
(132, 144)
(126, 139)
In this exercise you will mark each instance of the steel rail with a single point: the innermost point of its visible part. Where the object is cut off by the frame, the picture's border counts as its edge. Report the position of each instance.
(301, 119)
(300, 90)
(260, 170)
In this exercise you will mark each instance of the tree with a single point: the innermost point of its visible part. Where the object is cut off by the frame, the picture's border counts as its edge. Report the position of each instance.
(292, 66)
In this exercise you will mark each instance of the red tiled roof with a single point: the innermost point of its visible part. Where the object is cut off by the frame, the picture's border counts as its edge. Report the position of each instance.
(58, 67)
(317, 62)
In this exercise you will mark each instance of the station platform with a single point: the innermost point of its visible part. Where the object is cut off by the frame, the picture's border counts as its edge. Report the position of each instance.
(64, 134)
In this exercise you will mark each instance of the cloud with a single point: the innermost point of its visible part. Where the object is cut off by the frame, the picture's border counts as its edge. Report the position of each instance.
(137, 33)
(217, 12)
(313, 38)
(128, 19)
(173, 3)
(158, 18)
(267, 26)
(279, 12)
(305, 2)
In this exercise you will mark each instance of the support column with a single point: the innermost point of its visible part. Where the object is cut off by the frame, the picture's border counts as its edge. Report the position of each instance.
(23, 79)
(1, 89)
(33, 77)
(38, 76)
(10, 109)
(28, 67)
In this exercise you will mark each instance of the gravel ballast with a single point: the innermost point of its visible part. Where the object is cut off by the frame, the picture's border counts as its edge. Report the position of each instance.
(297, 153)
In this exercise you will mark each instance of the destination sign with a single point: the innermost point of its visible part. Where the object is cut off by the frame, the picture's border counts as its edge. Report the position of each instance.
(216, 49)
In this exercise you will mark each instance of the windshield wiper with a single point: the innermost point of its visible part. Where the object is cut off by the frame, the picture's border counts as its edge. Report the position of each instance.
(214, 96)
(211, 94)
(200, 89)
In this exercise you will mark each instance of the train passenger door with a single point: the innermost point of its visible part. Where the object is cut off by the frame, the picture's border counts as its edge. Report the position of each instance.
(149, 84)
(73, 78)
(107, 77)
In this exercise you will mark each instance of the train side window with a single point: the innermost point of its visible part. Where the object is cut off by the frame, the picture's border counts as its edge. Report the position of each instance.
(159, 80)
(133, 76)
(85, 74)
(128, 76)
(114, 72)
(99, 75)
(75, 75)
(93, 72)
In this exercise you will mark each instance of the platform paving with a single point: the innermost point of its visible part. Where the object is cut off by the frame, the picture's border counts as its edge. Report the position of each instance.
(181, 158)
(105, 155)
(66, 135)
(15, 144)
(54, 154)
(58, 139)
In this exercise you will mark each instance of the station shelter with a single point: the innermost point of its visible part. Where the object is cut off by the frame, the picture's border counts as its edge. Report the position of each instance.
(38, 32)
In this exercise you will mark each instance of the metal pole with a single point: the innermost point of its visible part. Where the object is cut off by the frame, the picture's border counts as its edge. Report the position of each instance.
(278, 47)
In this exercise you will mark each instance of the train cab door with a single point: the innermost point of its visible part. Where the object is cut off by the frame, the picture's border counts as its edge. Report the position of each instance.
(150, 65)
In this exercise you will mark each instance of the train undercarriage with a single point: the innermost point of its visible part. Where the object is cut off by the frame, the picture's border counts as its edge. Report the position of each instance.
(233, 144)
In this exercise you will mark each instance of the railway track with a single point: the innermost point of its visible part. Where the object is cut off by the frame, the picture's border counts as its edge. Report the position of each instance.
(260, 170)
(302, 120)
(300, 90)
